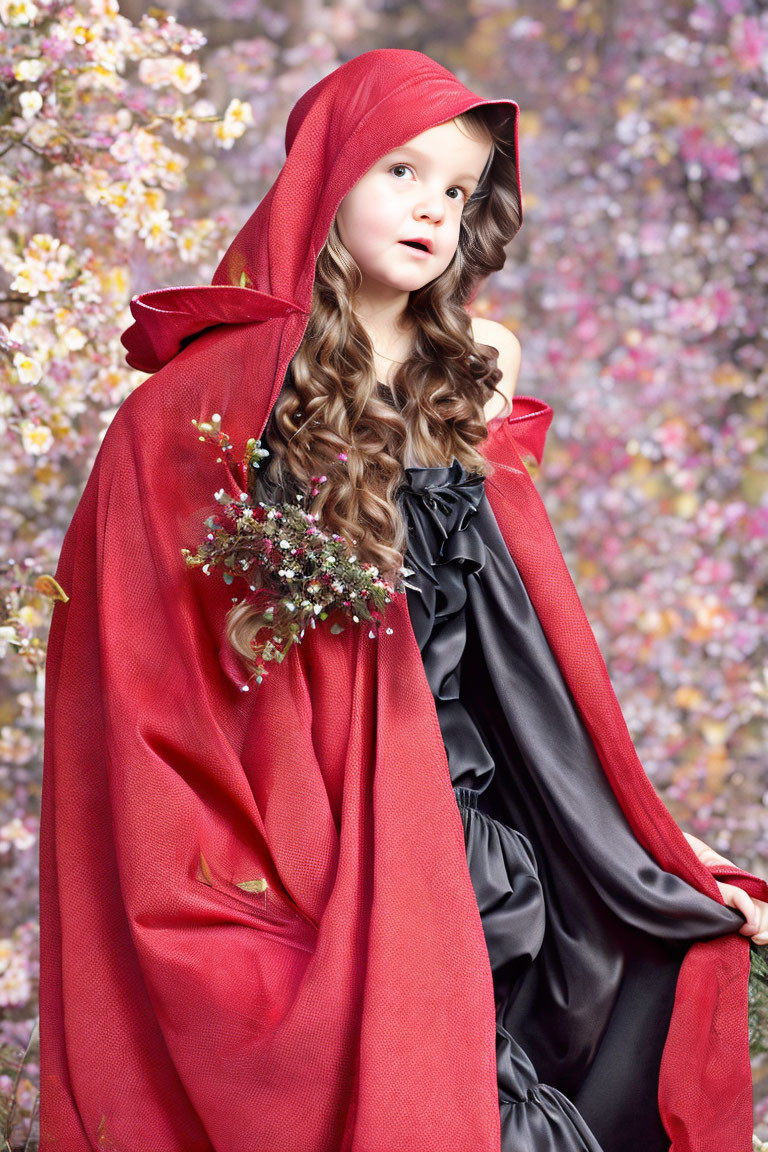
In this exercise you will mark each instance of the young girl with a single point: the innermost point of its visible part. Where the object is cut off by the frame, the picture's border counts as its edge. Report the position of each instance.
(412, 890)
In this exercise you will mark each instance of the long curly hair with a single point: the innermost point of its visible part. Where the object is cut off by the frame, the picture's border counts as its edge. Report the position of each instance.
(331, 401)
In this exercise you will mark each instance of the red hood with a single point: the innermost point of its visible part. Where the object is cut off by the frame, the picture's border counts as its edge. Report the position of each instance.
(335, 133)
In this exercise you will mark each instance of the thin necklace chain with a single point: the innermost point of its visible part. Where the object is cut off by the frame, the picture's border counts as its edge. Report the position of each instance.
(388, 357)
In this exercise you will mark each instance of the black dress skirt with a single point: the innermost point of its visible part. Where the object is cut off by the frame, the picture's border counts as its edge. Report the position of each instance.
(585, 932)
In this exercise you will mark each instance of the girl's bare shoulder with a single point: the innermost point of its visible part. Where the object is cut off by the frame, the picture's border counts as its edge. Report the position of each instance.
(499, 336)
(503, 339)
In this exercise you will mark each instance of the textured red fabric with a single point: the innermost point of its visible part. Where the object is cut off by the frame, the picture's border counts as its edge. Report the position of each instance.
(527, 424)
(349, 1006)
(705, 1088)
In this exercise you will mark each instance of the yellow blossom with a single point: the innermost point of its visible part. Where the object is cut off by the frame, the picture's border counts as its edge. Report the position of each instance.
(22, 282)
(42, 132)
(29, 370)
(236, 118)
(183, 126)
(104, 8)
(686, 504)
(169, 71)
(10, 196)
(98, 78)
(714, 732)
(17, 12)
(16, 833)
(73, 339)
(156, 229)
(188, 245)
(29, 616)
(186, 76)
(36, 438)
(686, 696)
(238, 111)
(115, 282)
(153, 199)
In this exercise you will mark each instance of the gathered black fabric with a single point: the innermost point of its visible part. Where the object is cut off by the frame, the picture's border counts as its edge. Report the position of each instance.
(502, 705)
(440, 505)
(583, 1001)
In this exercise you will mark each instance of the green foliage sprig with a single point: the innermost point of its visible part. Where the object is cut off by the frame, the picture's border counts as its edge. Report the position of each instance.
(757, 995)
(296, 573)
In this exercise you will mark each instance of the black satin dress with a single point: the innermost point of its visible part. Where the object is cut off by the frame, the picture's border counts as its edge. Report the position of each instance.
(585, 932)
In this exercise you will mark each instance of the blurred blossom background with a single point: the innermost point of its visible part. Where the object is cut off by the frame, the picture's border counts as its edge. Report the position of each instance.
(134, 143)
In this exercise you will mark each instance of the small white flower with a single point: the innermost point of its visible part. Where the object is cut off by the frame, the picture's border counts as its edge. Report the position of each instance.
(28, 369)
(36, 438)
(156, 228)
(16, 833)
(7, 635)
(168, 71)
(17, 12)
(31, 103)
(73, 339)
(29, 69)
(236, 118)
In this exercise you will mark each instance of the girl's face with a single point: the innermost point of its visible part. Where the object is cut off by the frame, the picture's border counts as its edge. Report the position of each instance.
(417, 191)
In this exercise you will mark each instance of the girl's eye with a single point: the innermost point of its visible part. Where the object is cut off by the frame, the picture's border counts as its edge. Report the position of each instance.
(458, 187)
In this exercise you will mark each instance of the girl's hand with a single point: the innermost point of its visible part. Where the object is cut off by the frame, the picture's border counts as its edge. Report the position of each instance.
(755, 911)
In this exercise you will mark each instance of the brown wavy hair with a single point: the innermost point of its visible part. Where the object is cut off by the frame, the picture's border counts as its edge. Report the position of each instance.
(331, 401)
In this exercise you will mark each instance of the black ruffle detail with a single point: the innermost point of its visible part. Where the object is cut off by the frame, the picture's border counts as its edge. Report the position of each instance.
(586, 932)
(440, 505)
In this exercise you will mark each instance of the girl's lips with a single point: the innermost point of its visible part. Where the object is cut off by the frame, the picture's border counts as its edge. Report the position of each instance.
(416, 251)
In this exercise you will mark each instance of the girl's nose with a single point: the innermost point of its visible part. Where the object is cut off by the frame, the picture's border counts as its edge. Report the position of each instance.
(431, 206)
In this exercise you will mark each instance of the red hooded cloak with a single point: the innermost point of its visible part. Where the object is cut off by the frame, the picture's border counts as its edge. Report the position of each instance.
(349, 1006)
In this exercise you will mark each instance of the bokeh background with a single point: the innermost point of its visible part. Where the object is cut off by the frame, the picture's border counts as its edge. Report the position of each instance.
(135, 141)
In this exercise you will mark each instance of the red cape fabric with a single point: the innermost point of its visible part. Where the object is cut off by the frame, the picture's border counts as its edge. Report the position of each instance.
(349, 1005)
